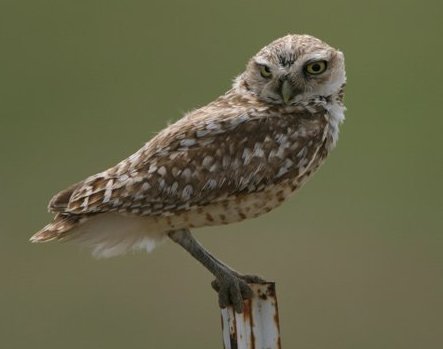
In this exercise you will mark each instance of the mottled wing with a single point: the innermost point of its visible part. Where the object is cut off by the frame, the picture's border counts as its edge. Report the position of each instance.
(201, 160)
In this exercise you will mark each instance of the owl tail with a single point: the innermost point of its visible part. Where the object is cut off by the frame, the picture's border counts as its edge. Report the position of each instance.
(57, 229)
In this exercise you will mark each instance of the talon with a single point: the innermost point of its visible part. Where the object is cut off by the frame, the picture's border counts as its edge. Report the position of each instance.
(236, 297)
(246, 291)
(232, 290)
(223, 298)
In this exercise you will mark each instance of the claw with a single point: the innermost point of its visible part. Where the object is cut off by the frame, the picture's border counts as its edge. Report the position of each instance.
(234, 289)
(236, 297)
(246, 291)
(223, 298)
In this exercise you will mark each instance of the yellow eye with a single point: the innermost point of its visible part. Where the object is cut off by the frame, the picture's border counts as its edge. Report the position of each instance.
(316, 68)
(265, 71)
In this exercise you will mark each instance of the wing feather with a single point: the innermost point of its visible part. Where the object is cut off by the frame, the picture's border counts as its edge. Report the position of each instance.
(199, 160)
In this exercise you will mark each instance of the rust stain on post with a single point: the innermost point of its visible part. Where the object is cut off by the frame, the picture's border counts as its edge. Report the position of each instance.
(258, 326)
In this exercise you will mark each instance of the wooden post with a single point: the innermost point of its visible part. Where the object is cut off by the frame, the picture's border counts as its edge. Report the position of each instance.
(258, 326)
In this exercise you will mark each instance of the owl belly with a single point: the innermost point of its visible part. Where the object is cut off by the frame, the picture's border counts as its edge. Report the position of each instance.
(233, 210)
(243, 206)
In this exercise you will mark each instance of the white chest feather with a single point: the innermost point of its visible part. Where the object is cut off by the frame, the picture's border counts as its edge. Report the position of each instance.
(336, 117)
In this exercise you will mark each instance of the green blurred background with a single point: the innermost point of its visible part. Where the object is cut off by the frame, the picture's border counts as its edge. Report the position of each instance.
(357, 255)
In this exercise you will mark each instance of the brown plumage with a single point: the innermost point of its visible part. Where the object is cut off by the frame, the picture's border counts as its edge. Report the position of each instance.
(236, 158)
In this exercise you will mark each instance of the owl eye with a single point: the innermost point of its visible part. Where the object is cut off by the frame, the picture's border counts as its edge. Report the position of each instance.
(316, 68)
(265, 71)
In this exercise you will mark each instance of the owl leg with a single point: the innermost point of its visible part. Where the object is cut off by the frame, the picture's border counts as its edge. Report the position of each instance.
(231, 286)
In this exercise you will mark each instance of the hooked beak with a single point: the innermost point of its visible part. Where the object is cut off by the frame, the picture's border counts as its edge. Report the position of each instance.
(287, 91)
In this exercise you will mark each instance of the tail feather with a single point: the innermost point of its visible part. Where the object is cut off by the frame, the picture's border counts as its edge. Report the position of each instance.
(107, 234)
(56, 229)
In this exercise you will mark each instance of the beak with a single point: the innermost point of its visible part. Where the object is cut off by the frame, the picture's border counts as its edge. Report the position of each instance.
(287, 91)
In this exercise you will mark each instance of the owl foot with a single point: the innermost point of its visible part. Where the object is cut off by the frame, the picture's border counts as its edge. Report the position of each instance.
(233, 289)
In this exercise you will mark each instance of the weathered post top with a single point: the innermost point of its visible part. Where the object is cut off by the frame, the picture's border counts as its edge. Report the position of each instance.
(258, 326)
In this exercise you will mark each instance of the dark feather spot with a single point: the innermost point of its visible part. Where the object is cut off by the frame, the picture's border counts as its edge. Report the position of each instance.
(286, 60)
(209, 217)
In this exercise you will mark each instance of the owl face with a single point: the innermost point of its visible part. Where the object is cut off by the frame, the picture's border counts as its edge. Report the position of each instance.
(294, 68)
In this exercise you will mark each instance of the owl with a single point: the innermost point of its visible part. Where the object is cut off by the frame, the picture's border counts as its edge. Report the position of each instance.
(236, 158)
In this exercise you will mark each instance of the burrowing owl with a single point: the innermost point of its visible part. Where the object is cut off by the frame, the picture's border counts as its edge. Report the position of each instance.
(236, 158)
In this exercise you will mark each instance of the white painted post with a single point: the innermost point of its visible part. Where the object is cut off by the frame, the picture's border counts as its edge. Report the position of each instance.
(258, 326)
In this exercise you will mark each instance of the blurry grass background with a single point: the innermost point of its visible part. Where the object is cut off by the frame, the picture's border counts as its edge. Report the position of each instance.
(357, 255)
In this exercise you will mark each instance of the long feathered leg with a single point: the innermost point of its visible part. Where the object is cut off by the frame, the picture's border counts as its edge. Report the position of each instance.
(231, 286)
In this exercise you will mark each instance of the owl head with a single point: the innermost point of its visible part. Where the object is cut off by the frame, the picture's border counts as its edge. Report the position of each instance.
(294, 68)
